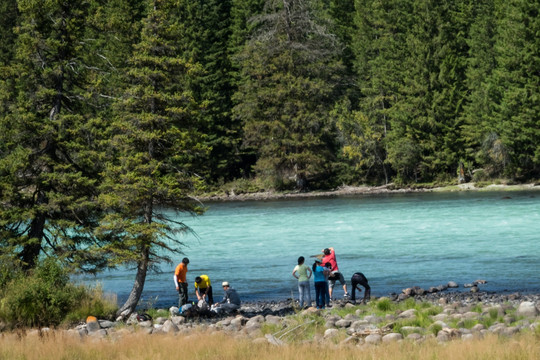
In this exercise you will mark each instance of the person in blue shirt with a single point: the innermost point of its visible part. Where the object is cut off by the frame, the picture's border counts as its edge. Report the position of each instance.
(320, 274)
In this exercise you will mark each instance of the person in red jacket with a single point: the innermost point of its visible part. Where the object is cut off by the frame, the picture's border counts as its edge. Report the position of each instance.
(330, 257)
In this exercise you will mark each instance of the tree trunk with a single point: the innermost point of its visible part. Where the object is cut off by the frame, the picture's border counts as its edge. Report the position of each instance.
(136, 291)
(31, 249)
(142, 269)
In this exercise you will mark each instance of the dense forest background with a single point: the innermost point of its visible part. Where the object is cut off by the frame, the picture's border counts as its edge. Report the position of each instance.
(290, 92)
(111, 110)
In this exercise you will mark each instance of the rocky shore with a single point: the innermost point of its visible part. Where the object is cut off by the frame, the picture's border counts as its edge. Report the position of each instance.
(414, 315)
(347, 190)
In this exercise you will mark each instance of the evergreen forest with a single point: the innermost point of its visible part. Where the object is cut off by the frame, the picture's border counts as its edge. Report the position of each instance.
(113, 110)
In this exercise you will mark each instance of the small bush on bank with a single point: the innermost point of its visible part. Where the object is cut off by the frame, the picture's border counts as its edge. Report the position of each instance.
(92, 301)
(45, 297)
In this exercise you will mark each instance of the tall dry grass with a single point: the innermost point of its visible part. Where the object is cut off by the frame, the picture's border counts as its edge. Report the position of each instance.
(199, 346)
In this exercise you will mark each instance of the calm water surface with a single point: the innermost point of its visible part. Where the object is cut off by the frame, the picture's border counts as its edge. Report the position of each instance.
(397, 241)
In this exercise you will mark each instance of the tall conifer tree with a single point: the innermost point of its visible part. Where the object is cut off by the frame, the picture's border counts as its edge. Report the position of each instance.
(517, 78)
(292, 77)
(153, 144)
(48, 164)
(205, 28)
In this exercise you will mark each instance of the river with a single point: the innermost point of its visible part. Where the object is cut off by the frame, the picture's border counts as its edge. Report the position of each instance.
(396, 240)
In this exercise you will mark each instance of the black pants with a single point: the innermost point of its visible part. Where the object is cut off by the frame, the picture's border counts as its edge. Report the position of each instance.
(182, 294)
(360, 279)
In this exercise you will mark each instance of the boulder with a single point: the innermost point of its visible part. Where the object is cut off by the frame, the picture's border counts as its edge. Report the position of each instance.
(415, 337)
(331, 333)
(106, 324)
(442, 287)
(527, 309)
(343, 323)
(173, 311)
(238, 322)
(351, 340)
(509, 331)
(93, 326)
(452, 284)
(146, 324)
(408, 314)
(169, 327)
(373, 339)
(411, 329)
(392, 337)
(178, 320)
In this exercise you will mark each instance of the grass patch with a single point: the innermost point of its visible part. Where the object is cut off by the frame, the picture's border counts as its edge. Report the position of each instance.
(219, 345)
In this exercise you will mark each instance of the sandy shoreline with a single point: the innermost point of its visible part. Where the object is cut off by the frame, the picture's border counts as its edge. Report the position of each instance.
(364, 190)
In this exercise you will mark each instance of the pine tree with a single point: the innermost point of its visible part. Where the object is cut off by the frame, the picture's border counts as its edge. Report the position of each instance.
(48, 164)
(478, 119)
(517, 78)
(205, 28)
(292, 75)
(380, 49)
(153, 145)
(9, 16)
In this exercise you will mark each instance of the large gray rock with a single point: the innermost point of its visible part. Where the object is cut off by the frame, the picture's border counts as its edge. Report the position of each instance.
(93, 326)
(527, 309)
(254, 324)
(392, 337)
(452, 284)
(146, 324)
(331, 333)
(408, 314)
(106, 324)
(169, 327)
(343, 323)
(373, 339)
(415, 337)
(174, 311)
(178, 320)
(238, 322)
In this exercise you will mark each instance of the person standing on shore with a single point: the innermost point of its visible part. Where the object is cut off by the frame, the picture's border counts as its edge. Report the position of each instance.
(359, 279)
(330, 257)
(203, 289)
(300, 272)
(321, 284)
(180, 282)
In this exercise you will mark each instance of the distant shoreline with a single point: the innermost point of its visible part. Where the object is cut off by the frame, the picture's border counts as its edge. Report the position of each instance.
(364, 190)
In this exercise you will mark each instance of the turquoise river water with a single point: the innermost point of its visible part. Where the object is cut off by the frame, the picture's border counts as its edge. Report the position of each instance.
(397, 241)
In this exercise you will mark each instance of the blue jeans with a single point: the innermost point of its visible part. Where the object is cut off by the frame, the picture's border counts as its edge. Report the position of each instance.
(304, 295)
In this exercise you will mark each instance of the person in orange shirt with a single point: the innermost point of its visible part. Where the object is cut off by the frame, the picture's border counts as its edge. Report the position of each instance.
(181, 282)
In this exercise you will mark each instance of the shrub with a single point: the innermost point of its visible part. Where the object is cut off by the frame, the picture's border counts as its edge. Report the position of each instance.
(92, 301)
(44, 297)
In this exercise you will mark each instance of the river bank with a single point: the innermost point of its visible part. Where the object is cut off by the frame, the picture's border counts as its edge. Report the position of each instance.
(430, 322)
(363, 190)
